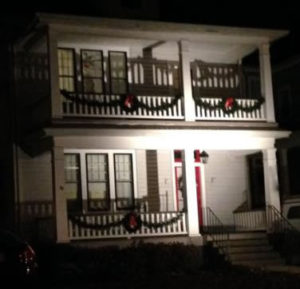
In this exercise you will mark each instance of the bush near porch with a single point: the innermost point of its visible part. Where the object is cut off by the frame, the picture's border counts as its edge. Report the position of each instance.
(148, 266)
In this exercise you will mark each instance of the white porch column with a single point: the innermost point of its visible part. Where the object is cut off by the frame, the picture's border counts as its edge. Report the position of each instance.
(61, 217)
(56, 99)
(190, 192)
(266, 81)
(271, 178)
(189, 104)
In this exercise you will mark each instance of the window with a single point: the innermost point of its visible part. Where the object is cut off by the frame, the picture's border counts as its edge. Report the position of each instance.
(97, 181)
(66, 69)
(118, 72)
(123, 181)
(92, 71)
(72, 182)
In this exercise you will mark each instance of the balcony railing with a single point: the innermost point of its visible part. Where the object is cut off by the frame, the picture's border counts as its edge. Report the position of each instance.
(155, 90)
(219, 93)
(113, 106)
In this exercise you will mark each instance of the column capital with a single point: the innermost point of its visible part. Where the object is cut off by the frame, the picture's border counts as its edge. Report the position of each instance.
(184, 46)
(264, 48)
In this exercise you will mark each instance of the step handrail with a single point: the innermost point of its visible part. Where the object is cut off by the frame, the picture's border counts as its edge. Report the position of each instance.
(276, 222)
(216, 230)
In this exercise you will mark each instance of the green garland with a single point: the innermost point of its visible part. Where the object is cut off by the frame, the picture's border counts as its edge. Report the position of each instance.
(125, 222)
(222, 104)
(135, 103)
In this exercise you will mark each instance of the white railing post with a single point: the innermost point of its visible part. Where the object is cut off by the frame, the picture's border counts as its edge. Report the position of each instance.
(266, 81)
(189, 104)
(56, 100)
(190, 192)
(271, 179)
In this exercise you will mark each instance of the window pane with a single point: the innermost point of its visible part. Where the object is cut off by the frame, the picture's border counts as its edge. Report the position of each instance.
(124, 181)
(92, 63)
(66, 69)
(97, 181)
(92, 71)
(72, 182)
(118, 72)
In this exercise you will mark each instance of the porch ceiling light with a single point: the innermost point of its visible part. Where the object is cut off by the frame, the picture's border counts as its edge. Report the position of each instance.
(204, 157)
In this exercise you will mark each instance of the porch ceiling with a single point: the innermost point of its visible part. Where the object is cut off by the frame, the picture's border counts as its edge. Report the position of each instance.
(230, 41)
(201, 50)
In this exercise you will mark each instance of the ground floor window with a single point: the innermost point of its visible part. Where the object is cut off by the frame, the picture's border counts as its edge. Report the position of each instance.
(72, 181)
(124, 181)
(99, 181)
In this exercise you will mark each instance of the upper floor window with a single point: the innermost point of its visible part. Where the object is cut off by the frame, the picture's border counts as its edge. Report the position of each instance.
(92, 71)
(118, 72)
(66, 69)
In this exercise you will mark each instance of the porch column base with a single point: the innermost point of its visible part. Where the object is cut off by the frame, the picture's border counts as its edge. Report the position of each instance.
(196, 240)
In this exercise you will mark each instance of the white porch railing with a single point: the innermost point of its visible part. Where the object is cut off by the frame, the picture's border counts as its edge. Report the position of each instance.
(77, 232)
(250, 220)
(38, 209)
(218, 114)
(81, 108)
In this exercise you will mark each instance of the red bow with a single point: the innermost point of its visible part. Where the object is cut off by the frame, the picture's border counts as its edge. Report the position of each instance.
(132, 222)
(229, 103)
(129, 101)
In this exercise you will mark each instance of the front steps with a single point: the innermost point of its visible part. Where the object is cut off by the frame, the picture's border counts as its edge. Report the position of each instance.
(250, 249)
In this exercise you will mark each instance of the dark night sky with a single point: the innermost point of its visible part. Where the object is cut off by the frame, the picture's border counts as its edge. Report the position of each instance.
(260, 14)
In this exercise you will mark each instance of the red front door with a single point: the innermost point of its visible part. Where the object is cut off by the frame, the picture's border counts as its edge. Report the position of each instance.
(179, 183)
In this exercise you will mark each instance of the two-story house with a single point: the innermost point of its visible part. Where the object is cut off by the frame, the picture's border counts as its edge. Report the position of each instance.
(139, 129)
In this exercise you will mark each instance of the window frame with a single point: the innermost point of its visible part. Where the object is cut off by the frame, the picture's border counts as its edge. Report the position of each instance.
(79, 200)
(125, 73)
(107, 197)
(102, 70)
(131, 182)
(74, 67)
(111, 175)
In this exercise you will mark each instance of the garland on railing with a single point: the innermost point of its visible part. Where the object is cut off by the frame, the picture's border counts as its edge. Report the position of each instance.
(131, 221)
(228, 105)
(127, 102)
(83, 223)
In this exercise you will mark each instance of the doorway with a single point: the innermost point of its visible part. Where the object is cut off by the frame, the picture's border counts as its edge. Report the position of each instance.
(179, 196)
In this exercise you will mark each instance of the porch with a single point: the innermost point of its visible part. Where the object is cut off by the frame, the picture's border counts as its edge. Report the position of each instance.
(153, 197)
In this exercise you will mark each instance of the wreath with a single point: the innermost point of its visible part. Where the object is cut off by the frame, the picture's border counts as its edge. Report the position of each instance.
(132, 222)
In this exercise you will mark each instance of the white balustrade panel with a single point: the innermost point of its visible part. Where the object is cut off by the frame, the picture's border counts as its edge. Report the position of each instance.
(82, 108)
(218, 114)
(79, 232)
(250, 220)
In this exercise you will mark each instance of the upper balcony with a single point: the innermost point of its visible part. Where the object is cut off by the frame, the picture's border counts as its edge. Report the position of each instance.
(145, 70)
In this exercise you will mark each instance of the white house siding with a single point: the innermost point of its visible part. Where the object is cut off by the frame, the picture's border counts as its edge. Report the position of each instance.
(141, 173)
(227, 182)
(36, 208)
(165, 178)
(35, 177)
